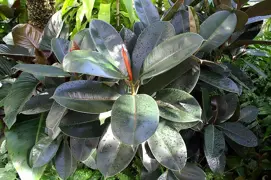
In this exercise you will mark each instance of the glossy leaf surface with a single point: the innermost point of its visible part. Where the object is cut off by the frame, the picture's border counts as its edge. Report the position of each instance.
(168, 147)
(85, 96)
(134, 118)
(112, 155)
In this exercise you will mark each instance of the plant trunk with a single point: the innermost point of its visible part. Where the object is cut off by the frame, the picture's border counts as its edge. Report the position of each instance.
(39, 12)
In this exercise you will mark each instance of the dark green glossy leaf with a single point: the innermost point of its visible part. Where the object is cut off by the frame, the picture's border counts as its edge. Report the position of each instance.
(218, 81)
(172, 10)
(82, 148)
(146, 175)
(178, 106)
(239, 133)
(16, 52)
(188, 80)
(146, 12)
(260, 9)
(216, 29)
(134, 118)
(88, 126)
(180, 21)
(109, 43)
(20, 93)
(257, 19)
(43, 151)
(206, 109)
(256, 52)
(52, 30)
(6, 67)
(42, 70)
(242, 19)
(214, 142)
(84, 41)
(20, 139)
(112, 155)
(60, 47)
(147, 158)
(183, 125)
(190, 171)
(4, 90)
(138, 28)
(239, 76)
(168, 147)
(64, 162)
(168, 175)
(151, 37)
(216, 67)
(129, 38)
(216, 164)
(86, 96)
(248, 114)
(171, 77)
(170, 53)
(53, 119)
(39, 103)
(91, 160)
(26, 35)
(92, 63)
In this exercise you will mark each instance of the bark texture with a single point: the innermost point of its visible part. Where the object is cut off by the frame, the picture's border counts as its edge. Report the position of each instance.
(39, 12)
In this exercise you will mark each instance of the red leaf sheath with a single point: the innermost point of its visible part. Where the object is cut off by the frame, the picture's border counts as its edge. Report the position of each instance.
(127, 63)
(74, 46)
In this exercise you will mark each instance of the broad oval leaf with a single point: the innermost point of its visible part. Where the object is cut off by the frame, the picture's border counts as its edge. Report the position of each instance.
(260, 9)
(129, 38)
(147, 158)
(84, 41)
(180, 21)
(53, 119)
(170, 53)
(109, 43)
(85, 96)
(146, 12)
(151, 37)
(216, 164)
(39, 103)
(91, 160)
(216, 29)
(190, 171)
(172, 76)
(214, 141)
(64, 162)
(239, 76)
(92, 63)
(248, 114)
(188, 80)
(20, 139)
(88, 126)
(239, 134)
(138, 28)
(112, 155)
(168, 147)
(134, 118)
(52, 30)
(168, 175)
(178, 106)
(21, 91)
(16, 53)
(82, 148)
(218, 81)
(26, 35)
(42, 70)
(60, 47)
(43, 151)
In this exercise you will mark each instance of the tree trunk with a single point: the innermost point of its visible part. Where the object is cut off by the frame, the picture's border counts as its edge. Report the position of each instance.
(39, 12)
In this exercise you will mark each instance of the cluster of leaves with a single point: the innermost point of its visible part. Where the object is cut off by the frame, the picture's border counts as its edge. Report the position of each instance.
(157, 93)
(11, 13)
(78, 14)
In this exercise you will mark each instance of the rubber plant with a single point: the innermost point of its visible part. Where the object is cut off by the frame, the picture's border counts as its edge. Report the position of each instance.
(116, 95)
